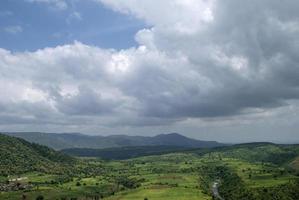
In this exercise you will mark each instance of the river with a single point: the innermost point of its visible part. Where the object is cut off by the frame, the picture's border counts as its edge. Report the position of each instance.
(215, 190)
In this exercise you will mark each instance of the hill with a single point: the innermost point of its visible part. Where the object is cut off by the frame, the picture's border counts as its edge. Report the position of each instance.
(121, 153)
(19, 156)
(255, 152)
(75, 140)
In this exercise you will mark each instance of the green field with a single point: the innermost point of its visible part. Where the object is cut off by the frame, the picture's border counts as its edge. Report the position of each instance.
(171, 177)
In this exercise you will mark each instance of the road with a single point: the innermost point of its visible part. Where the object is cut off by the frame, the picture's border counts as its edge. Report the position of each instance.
(215, 190)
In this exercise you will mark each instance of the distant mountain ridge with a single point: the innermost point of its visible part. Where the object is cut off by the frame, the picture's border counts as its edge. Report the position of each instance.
(77, 140)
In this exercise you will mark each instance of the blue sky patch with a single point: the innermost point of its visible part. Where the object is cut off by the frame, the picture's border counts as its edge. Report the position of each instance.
(26, 26)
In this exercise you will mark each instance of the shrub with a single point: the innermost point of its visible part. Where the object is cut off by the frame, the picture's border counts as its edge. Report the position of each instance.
(40, 197)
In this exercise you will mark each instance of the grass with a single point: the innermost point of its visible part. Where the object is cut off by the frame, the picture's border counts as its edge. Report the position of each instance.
(162, 193)
(164, 187)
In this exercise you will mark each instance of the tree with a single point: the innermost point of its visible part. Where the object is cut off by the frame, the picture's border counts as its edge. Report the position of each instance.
(40, 197)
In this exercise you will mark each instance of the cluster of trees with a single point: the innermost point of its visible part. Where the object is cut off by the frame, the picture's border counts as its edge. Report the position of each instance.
(130, 183)
(232, 187)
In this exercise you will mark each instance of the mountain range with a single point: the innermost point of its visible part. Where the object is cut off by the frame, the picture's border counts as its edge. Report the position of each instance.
(77, 140)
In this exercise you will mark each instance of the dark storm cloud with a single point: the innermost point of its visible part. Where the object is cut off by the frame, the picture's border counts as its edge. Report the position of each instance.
(87, 102)
(262, 34)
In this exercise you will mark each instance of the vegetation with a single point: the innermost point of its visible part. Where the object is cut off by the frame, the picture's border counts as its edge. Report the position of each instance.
(19, 156)
(244, 172)
(295, 164)
(122, 153)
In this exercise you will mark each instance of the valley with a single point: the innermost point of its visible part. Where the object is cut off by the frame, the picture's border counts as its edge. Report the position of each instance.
(249, 171)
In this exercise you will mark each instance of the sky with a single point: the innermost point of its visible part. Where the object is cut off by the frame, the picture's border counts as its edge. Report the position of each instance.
(209, 69)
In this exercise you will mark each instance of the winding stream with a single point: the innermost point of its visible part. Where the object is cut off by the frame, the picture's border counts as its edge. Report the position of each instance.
(215, 190)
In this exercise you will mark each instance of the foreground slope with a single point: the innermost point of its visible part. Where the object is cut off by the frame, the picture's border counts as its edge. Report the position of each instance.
(19, 156)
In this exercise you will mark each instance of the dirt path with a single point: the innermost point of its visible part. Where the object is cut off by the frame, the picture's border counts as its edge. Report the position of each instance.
(18, 179)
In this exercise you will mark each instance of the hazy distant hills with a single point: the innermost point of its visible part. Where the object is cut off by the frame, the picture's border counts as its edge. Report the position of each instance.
(76, 140)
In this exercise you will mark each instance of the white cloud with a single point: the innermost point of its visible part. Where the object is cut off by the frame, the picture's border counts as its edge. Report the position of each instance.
(184, 16)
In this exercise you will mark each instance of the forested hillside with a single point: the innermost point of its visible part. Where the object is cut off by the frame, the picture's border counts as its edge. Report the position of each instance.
(19, 156)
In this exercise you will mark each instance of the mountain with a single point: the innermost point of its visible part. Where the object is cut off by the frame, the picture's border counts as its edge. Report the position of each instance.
(175, 139)
(76, 140)
(19, 156)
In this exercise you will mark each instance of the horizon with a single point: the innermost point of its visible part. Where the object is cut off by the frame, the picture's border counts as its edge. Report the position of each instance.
(154, 135)
(104, 67)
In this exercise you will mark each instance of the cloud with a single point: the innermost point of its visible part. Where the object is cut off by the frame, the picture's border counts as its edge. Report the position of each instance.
(230, 58)
(200, 59)
(185, 16)
(13, 29)
(87, 102)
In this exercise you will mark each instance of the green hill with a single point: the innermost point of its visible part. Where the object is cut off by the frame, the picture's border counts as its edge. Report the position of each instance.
(19, 156)
(256, 152)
